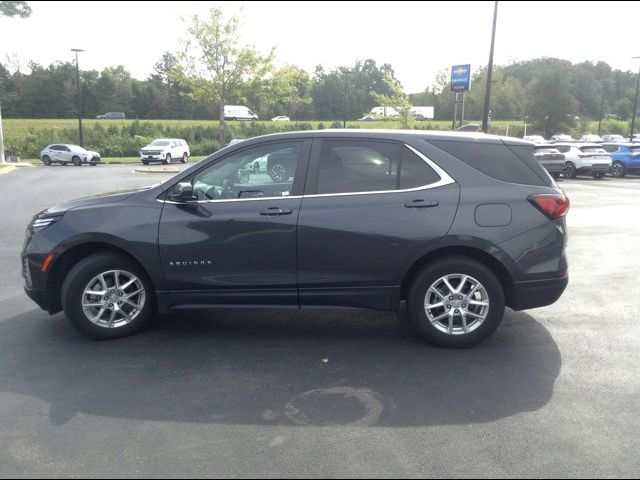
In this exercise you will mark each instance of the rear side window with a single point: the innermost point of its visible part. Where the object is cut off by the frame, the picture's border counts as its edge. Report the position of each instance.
(610, 148)
(357, 166)
(514, 164)
(414, 171)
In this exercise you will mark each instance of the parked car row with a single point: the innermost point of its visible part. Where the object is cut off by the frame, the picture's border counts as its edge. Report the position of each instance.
(588, 137)
(571, 159)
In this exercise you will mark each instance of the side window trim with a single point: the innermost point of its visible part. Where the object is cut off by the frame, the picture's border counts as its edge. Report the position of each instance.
(312, 177)
(296, 189)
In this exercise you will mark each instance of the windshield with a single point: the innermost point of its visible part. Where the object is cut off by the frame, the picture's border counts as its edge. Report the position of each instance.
(159, 143)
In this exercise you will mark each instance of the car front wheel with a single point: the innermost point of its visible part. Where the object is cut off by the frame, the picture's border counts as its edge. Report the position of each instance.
(46, 160)
(108, 296)
(185, 157)
(167, 159)
(456, 302)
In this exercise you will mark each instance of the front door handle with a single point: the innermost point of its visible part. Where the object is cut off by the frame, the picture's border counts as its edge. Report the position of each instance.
(275, 211)
(420, 203)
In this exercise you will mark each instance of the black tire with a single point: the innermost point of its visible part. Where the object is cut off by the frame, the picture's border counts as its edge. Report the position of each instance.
(167, 159)
(46, 160)
(618, 170)
(556, 175)
(449, 266)
(93, 164)
(569, 170)
(145, 162)
(78, 278)
(76, 161)
(185, 157)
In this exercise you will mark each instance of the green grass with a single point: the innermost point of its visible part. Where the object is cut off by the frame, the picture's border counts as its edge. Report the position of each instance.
(120, 140)
(4, 165)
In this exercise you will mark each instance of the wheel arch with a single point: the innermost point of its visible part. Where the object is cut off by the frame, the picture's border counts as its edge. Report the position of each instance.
(63, 264)
(487, 259)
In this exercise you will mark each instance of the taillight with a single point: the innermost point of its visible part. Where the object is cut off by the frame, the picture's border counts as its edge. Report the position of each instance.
(553, 205)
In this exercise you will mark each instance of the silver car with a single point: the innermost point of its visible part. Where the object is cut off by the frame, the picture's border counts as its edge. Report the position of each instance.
(64, 154)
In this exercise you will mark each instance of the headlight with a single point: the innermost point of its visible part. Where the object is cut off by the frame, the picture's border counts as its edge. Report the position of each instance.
(41, 223)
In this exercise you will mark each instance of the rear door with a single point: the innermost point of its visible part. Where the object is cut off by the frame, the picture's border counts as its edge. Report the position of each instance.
(369, 208)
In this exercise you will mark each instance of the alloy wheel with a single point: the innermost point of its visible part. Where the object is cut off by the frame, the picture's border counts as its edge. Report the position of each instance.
(456, 304)
(113, 299)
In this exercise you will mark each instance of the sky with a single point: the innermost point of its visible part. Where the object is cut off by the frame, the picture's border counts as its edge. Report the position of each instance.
(417, 38)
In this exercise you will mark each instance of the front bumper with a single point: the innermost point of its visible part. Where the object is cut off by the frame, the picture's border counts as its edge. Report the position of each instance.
(38, 296)
(538, 293)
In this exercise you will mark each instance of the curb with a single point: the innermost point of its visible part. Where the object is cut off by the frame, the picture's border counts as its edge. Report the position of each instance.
(168, 169)
(8, 169)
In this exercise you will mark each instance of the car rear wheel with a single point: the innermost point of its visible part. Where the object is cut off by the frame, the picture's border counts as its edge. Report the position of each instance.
(185, 157)
(569, 170)
(108, 296)
(456, 302)
(618, 170)
(167, 159)
(46, 160)
(76, 161)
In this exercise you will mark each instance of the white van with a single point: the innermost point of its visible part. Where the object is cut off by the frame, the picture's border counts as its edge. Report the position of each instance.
(385, 111)
(238, 112)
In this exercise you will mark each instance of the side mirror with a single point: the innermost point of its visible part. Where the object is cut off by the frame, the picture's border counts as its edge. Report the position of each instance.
(182, 192)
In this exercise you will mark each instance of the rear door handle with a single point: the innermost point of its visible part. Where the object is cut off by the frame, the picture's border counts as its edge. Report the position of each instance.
(275, 211)
(420, 203)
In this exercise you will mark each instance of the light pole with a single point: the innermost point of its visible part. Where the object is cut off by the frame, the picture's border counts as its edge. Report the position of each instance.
(487, 93)
(1, 138)
(79, 101)
(635, 105)
(344, 113)
(601, 107)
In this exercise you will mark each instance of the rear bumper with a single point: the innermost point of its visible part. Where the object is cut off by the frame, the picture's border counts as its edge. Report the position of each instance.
(538, 293)
(602, 168)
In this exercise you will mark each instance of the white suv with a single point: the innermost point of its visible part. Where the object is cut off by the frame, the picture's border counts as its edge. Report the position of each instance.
(584, 159)
(165, 150)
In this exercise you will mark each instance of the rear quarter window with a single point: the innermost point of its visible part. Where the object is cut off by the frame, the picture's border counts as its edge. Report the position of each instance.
(514, 164)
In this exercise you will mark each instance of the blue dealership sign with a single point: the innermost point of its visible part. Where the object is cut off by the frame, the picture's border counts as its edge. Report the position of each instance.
(460, 78)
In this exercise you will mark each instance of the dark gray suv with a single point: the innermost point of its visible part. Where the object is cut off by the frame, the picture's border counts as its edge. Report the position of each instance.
(458, 225)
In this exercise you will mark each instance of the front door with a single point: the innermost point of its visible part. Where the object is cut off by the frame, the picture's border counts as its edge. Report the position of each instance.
(236, 244)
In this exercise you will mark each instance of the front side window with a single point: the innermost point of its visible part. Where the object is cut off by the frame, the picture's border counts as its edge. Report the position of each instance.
(265, 171)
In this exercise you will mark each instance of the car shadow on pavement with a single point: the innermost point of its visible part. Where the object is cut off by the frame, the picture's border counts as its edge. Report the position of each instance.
(342, 368)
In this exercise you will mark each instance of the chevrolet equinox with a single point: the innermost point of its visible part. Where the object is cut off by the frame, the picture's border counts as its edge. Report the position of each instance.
(458, 225)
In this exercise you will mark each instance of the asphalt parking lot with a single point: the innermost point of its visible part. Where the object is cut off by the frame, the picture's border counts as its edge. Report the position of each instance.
(555, 392)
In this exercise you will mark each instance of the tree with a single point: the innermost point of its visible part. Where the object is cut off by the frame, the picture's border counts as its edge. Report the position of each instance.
(551, 106)
(11, 9)
(395, 98)
(217, 64)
